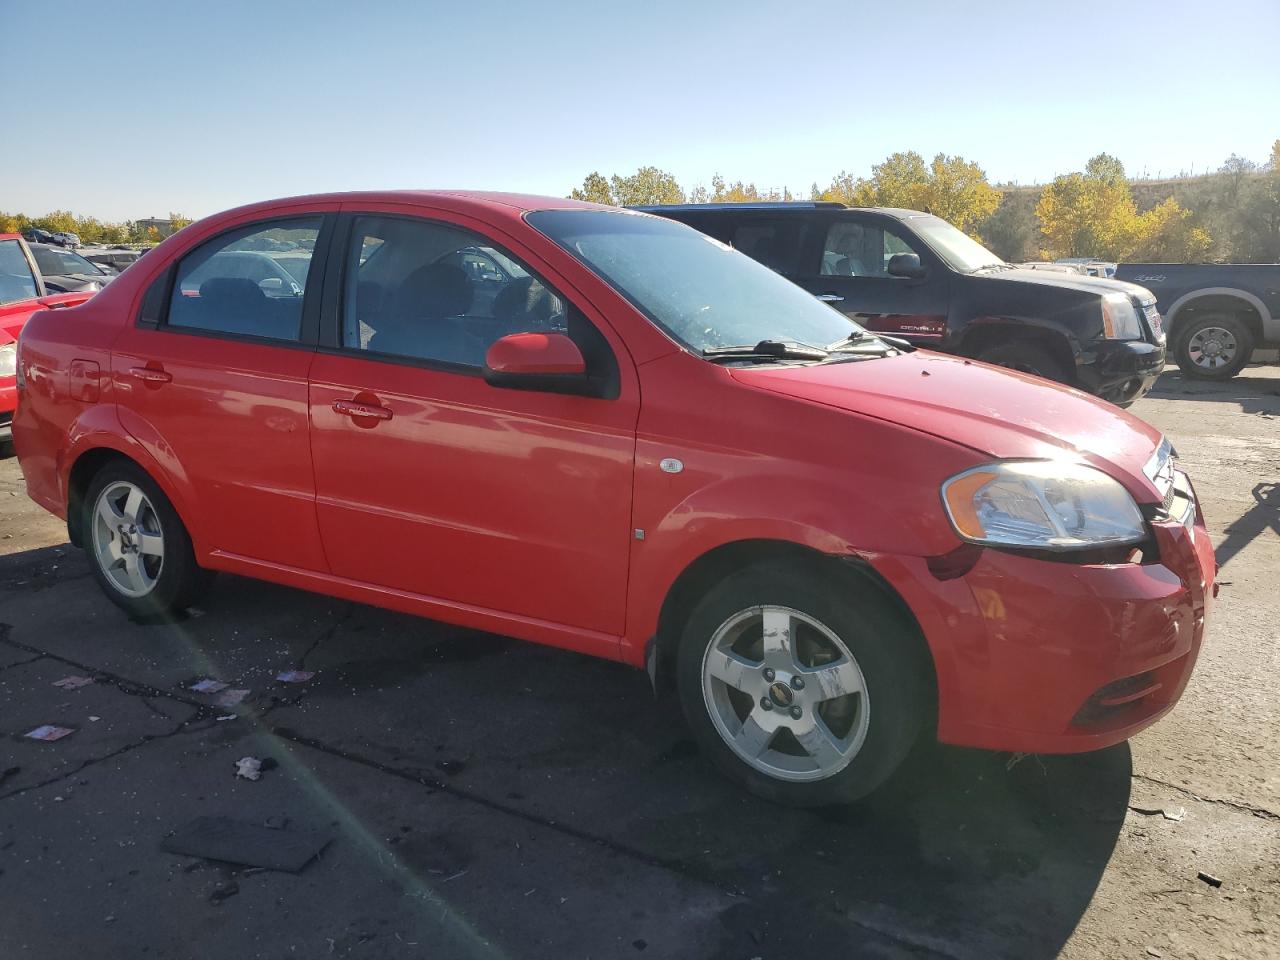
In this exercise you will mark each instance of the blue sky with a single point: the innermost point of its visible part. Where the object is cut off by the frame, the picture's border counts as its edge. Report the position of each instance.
(133, 109)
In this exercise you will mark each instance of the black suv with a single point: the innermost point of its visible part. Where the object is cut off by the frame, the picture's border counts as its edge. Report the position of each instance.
(914, 276)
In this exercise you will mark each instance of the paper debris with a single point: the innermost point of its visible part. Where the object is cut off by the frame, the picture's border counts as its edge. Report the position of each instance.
(73, 682)
(249, 767)
(49, 732)
(208, 686)
(295, 676)
(230, 698)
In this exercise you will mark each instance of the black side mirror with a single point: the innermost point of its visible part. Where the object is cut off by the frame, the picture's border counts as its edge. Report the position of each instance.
(906, 265)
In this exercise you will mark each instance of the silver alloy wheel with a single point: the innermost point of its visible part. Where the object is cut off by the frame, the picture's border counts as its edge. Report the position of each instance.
(785, 693)
(1212, 347)
(128, 541)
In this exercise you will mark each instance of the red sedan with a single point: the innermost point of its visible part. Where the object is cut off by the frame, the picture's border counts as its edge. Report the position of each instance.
(604, 431)
(22, 293)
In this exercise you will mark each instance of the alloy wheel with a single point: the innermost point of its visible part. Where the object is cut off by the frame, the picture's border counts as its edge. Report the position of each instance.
(128, 540)
(785, 693)
(1212, 347)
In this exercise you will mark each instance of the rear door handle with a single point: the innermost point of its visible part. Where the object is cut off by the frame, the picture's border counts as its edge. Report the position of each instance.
(830, 297)
(354, 409)
(150, 374)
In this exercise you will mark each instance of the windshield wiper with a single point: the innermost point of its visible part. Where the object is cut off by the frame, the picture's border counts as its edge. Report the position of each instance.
(766, 350)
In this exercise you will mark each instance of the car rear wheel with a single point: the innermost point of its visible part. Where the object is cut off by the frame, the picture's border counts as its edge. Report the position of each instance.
(139, 549)
(1027, 357)
(807, 690)
(1213, 347)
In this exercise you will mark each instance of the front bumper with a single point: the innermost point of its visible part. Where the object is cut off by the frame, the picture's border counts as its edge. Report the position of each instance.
(1121, 371)
(8, 403)
(1038, 656)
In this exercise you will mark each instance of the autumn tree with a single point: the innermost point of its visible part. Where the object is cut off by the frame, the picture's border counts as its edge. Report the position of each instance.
(950, 187)
(1093, 214)
(594, 189)
(648, 185)
(178, 221)
(737, 192)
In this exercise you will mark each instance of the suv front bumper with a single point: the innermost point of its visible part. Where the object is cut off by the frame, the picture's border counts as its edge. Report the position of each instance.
(1121, 370)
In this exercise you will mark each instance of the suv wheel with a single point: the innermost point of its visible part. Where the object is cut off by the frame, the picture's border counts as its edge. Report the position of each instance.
(139, 549)
(1028, 357)
(806, 690)
(1213, 347)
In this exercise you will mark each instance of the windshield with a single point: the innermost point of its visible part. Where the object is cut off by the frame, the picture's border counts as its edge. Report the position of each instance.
(16, 281)
(961, 251)
(54, 262)
(704, 294)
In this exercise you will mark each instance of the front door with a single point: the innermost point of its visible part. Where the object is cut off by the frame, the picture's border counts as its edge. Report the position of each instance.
(852, 275)
(213, 380)
(438, 484)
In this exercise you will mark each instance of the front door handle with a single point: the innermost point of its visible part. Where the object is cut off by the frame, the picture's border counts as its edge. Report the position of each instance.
(150, 374)
(830, 297)
(354, 409)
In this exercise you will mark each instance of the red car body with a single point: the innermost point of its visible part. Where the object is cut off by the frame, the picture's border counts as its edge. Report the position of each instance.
(13, 317)
(548, 517)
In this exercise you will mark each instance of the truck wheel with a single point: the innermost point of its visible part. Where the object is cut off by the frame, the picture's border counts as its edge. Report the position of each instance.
(1215, 346)
(803, 690)
(140, 551)
(1027, 357)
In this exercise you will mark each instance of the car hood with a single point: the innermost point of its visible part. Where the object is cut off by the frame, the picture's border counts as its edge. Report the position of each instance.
(1072, 281)
(1000, 413)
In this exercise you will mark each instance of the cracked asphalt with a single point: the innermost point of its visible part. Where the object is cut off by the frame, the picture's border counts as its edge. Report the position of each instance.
(489, 798)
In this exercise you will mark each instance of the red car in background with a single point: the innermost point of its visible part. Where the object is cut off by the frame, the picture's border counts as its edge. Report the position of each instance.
(605, 431)
(22, 293)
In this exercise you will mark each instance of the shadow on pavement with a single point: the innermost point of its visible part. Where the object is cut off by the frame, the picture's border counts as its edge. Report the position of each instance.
(1264, 515)
(1259, 395)
(964, 853)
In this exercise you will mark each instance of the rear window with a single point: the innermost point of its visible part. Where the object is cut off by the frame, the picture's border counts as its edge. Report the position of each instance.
(16, 281)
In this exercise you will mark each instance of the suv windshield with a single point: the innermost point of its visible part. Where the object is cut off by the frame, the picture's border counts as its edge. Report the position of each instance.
(54, 262)
(703, 293)
(961, 251)
(16, 281)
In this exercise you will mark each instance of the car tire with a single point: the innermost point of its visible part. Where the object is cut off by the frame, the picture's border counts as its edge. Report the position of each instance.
(1027, 357)
(138, 547)
(1215, 346)
(6, 449)
(812, 745)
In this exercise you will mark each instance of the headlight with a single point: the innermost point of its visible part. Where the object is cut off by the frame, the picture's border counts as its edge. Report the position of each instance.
(1041, 504)
(1120, 318)
(9, 360)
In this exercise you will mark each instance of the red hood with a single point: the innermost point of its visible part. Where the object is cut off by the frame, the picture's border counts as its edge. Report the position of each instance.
(14, 316)
(998, 412)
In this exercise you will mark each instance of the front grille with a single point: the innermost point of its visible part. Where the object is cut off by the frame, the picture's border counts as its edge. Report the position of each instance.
(1154, 320)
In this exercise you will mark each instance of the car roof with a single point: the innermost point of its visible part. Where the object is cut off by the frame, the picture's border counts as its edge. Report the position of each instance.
(783, 206)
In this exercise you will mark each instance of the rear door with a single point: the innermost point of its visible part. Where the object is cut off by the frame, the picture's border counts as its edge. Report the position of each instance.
(851, 273)
(213, 378)
(431, 481)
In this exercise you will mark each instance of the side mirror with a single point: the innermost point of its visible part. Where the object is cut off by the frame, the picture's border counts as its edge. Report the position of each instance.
(535, 361)
(270, 284)
(906, 265)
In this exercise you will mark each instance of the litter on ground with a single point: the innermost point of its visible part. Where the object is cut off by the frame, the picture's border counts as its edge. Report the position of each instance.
(73, 682)
(49, 732)
(295, 676)
(208, 686)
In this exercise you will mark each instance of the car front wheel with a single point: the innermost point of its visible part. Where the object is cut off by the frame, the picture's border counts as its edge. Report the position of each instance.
(807, 690)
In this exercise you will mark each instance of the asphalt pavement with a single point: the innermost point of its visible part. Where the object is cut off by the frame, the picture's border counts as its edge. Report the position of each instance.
(475, 796)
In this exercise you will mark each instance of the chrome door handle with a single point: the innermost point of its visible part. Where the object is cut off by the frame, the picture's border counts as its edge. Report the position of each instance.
(150, 374)
(354, 408)
(830, 297)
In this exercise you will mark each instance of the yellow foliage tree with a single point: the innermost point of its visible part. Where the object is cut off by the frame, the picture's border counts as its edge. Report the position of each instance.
(950, 187)
(1093, 214)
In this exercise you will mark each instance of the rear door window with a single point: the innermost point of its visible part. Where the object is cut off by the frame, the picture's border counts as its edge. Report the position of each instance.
(248, 282)
(776, 242)
(16, 280)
